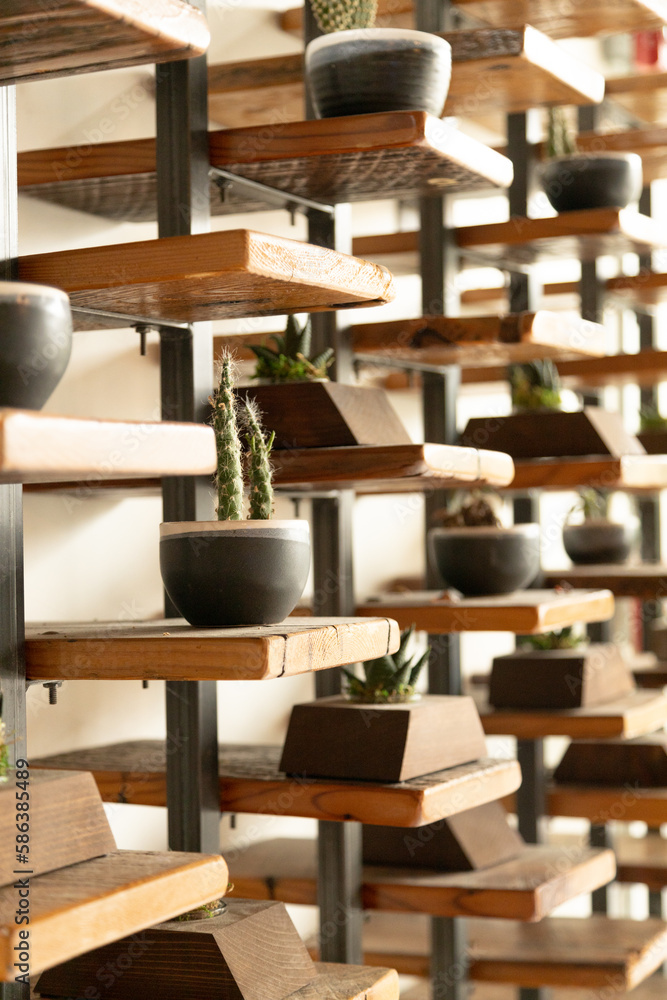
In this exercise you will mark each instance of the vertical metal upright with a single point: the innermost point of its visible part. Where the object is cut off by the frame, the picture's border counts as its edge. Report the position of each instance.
(12, 659)
(186, 382)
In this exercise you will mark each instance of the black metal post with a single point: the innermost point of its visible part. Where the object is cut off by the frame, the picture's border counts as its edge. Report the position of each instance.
(531, 795)
(449, 959)
(599, 836)
(524, 289)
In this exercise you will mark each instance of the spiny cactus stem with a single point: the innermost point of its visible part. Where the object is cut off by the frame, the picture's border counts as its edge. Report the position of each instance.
(259, 472)
(229, 473)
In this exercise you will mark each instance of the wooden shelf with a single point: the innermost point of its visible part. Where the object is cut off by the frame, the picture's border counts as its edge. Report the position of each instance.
(646, 368)
(39, 41)
(172, 650)
(359, 158)
(631, 472)
(527, 887)
(190, 279)
(650, 989)
(600, 805)
(524, 612)
(93, 903)
(550, 16)
(437, 341)
(649, 143)
(584, 235)
(390, 468)
(37, 448)
(250, 782)
(642, 860)
(580, 953)
(637, 714)
(647, 582)
(644, 95)
(520, 67)
(647, 288)
(651, 675)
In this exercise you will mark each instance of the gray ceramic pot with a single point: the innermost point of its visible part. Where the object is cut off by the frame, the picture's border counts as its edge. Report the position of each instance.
(35, 342)
(598, 541)
(367, 70)
(486, 560)
(232, 573)
(591, 180)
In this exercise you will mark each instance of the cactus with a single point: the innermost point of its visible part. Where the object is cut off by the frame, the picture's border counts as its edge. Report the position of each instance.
(390, 678)
(259, 466)
(535, 386)
(229, 474)
(338, 15)
(560, 141)
(288, 361)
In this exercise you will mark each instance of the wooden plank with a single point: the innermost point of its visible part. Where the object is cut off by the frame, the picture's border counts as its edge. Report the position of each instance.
(646, 369)
(390, 468)
(646, 288)
(528, 887)
(250, 782)
(600, 805)
(555, 19)
(40, 41)
(632, 472)
(644, 95)
(172, 650)
(584, 235)
(92, 903)
(642, 860)
(647, 582)
(523, 612)
(494, 340)
(37, 447)
(57, 836)
(616, 762)
(650, 989)
(189, 279)
(634, 715)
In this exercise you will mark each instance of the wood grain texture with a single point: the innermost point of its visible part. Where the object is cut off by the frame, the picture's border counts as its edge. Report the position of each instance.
(92, 903)
(600, 805)
(39, 40)
(647, 582)
(171, 649)
(632, 472)
(635, 715)
(641, 762)
(37, 447)
(390, 468)
(585, 235)
(58, 837)
(189, 279)
(496, 340)
(252, 951)
(251, 782)
(527, 887)
(644, 95)
(524, 612)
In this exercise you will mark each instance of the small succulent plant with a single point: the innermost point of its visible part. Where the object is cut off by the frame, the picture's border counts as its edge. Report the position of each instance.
(535, 386)
(560, 140)
(564, 638)
(650, 419)
(390, 678)
(288, 360)
(472, 510)
(228, 418)
(592, 504)
(204, 912)
(338, 15)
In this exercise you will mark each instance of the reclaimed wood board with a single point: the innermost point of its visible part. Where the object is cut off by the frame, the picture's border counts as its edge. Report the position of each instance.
(92, 903)
(190, 279)
(648, 582)
(171, 649)
(41, 40)
(650, 989)
(524, 612)
(644, 95)
(251, 782)
(646, 368)
(631, 472)
(600, 805)
(641, 763)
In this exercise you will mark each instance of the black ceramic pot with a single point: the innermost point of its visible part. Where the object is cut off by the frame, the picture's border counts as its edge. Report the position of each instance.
(367, 70)
(35, 342)
(591, 180)
(486, 560)
(232, 573)
(598, 541)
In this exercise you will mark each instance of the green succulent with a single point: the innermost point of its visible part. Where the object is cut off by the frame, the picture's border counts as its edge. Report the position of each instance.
(564, 638)
(389, 678)
(560, 140)
(535, 385)
(288, 361)
(650, 419)
(472, 510)
(205, 911)
(338, 15)
(593, 504)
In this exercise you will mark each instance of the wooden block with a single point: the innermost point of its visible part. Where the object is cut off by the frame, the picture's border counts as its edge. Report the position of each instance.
(659, 638)
(654, 442)
(591, 431)
(58, 836)
(640, 763)
(336, 738)
(633, 472)
(474, 839)
(327, 414)
(252, 951)
(559, 678)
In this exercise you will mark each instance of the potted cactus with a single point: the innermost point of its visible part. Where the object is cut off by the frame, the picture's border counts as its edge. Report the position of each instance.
(476, 555)
(236, 571)
(351, 70)
(378, 730)
(304, 408)
(597, 539)
(574, 180)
